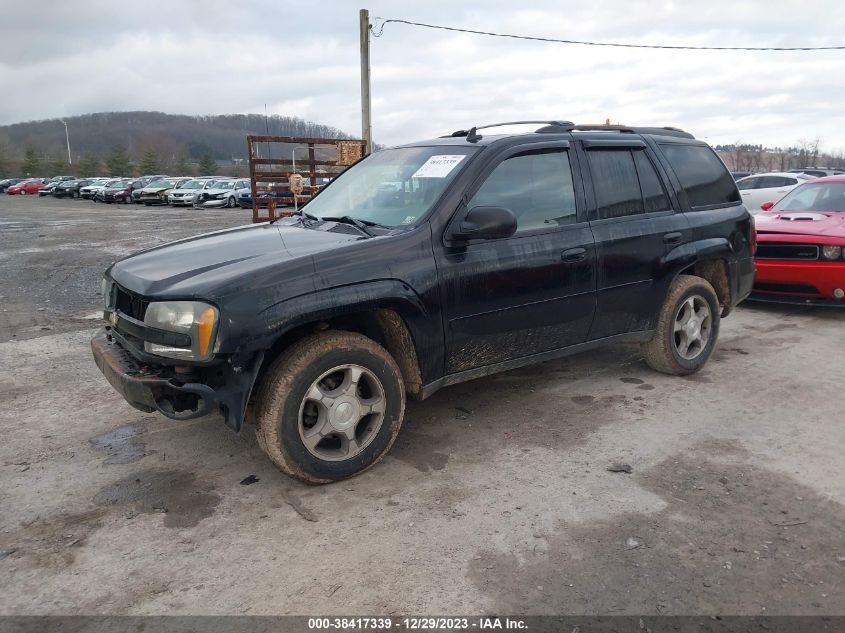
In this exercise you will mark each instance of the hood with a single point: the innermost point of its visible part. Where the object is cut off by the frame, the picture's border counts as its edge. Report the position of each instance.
(820, 223)
(154, 189)
(211, 265)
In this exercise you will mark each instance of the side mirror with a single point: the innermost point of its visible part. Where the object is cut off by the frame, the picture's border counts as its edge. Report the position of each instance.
(767, 205)
(486, 223)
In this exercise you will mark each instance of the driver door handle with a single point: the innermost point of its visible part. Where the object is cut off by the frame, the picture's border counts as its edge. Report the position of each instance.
(573, 255)
(673, 238)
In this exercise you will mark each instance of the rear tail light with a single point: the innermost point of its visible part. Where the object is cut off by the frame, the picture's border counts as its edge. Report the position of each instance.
(752, 237)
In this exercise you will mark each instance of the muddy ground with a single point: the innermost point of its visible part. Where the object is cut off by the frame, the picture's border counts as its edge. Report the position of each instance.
(495, 498)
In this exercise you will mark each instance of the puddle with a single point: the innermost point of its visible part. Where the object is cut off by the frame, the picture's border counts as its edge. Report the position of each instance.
(123, 445)
(175, 494)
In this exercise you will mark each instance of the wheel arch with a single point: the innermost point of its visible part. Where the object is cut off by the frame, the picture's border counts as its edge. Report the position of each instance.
(390, 318)
(712, 262)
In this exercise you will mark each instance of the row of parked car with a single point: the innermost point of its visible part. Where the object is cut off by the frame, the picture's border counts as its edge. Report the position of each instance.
(157, 189)
(758, 190)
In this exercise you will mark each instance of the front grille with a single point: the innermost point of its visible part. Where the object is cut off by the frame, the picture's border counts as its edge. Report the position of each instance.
(773, 250)
(802, 289)
(129, 304)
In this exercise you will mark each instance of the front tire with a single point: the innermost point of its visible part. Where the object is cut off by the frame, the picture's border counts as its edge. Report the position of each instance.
(329, 407)
(231, 203)
(687, 328)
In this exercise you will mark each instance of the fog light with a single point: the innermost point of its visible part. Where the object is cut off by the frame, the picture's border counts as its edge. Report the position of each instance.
(839, 293)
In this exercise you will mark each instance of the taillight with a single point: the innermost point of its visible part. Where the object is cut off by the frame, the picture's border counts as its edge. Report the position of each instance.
(752, 237)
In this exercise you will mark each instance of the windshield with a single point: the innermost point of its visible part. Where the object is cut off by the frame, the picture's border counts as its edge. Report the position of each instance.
(825, 196)
(193, 184)
(392, 187)
(222, 184)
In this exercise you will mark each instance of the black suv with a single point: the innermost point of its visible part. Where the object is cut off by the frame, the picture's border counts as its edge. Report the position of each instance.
(426, 265)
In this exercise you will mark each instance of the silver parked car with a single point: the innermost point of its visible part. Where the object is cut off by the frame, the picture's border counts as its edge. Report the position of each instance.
(221, 193)
(187, 193)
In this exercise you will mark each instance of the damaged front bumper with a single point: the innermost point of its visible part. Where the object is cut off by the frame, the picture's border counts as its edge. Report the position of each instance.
(149, 387)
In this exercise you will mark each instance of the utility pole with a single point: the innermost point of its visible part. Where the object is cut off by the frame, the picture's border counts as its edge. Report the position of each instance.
(366, 122)
(67, 138)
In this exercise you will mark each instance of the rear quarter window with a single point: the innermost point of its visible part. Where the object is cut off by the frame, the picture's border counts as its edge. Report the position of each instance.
(704, 178)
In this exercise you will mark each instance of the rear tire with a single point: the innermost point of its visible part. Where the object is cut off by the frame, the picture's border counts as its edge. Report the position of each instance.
(329, 407)
(687, 328)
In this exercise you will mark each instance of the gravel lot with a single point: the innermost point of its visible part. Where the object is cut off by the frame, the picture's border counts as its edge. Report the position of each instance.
(495, 498)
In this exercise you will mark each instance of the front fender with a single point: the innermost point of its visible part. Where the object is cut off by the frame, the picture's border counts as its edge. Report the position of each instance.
(421, 317)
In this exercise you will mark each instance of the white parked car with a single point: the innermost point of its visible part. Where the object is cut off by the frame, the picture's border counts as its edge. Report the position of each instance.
(89, 191)
(761, 188)
(187, 193)
(221, 193)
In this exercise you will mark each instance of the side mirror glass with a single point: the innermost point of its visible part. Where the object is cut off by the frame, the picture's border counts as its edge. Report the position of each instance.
(486, 223)
(767, 205)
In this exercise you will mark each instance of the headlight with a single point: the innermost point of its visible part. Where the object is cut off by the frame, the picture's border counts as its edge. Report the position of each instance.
(831, 252)
(197, 320)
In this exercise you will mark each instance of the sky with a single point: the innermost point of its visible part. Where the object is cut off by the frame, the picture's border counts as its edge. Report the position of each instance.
(217, 57)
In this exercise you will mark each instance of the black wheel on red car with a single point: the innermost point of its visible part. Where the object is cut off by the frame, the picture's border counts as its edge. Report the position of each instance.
(329, 407)
(687, 328)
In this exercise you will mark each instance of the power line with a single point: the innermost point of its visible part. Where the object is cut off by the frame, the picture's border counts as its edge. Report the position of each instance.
(377, 32)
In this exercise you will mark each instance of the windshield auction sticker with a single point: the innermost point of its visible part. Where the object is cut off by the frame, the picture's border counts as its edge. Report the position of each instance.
(438, 166)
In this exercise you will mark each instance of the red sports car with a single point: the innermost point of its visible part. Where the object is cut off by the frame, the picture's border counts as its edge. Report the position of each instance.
(801, 245)
(33, 185)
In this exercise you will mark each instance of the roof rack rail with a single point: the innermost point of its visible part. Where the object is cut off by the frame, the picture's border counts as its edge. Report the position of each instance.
(473, 136)
(556, 127)
(627, 129)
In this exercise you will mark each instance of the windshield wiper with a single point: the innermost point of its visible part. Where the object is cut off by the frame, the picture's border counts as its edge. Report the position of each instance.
(306, 215)
(348, 219)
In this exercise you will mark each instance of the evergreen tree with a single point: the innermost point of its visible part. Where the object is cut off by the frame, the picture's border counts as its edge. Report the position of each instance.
(89, 165)
(31, 166)
(5, 164)
(118, 162)
(182, 167)
(207, 165)
(58, 167)
(149, 162)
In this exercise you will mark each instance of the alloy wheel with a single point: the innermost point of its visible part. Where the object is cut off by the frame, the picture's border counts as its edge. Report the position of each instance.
(342, 412)
(693, 326)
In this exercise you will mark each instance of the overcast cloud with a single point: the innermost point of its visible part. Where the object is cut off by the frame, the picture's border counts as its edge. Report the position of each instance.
(216, 57)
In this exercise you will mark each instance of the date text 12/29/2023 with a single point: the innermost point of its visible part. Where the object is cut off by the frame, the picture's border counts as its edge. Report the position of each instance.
(422, 623)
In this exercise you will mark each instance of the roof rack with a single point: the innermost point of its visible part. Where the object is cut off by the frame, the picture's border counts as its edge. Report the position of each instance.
(473, 136)
(557, 127)
(626, 129)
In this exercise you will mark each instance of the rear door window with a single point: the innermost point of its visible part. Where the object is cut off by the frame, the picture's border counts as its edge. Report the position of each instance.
(704, 178)
(616, 184)
(654, 196)
(625, 183)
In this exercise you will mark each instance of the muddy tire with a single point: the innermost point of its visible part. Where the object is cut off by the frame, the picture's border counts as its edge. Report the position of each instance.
(329, 407)
(687, 328)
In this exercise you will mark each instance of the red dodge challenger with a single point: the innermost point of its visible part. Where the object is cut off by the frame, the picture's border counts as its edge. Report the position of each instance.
(801, 245)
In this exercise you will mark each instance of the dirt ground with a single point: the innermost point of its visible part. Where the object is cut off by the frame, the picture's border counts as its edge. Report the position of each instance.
(495, 498)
